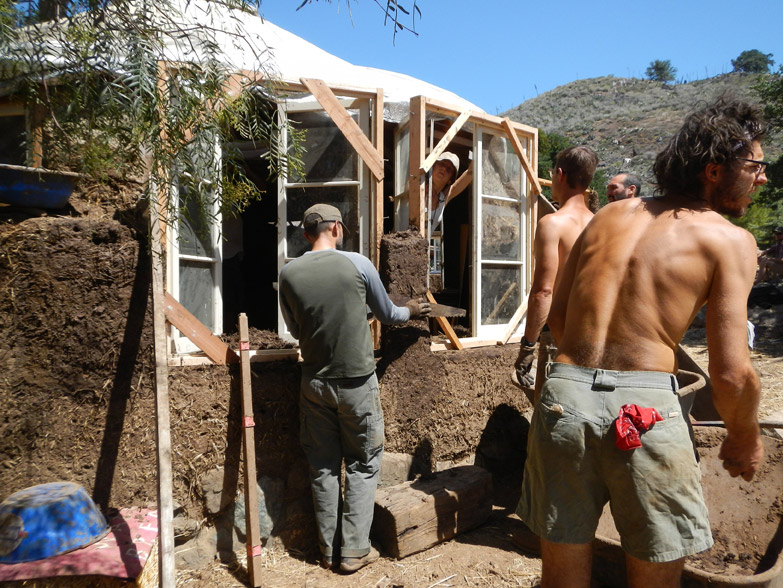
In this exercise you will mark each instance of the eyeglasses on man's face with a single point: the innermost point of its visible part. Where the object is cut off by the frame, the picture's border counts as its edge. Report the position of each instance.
(759, 167)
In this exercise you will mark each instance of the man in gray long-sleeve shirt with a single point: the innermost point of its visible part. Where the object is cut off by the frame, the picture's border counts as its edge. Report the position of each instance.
(323, 297)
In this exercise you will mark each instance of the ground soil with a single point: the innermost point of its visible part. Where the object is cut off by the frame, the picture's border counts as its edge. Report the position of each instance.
(76, 359)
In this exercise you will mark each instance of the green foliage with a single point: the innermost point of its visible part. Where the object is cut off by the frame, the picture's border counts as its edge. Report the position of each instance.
(760, 220)
(661, 71)
(753, 61)
(769, 88)
(549, 145)
(114, 108)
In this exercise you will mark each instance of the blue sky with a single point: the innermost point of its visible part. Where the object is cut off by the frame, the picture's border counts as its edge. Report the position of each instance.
(499, 53)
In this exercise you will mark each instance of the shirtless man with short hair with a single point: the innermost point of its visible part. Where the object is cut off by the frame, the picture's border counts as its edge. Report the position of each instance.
(555, 235)
(636, 278)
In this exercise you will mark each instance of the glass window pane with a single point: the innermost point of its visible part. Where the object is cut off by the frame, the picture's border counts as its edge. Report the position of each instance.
(501, 230)
(344, 198)
(328, 156)
(195, 236)
(196, 291)
(501, 172)
(403, 148)
(500, 294)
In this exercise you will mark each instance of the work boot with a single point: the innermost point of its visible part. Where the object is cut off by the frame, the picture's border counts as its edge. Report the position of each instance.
(349, 565)
(326, 562)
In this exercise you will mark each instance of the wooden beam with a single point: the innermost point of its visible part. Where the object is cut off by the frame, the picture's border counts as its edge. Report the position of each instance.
(198, 333)
(532, 175)
(12, 109)
(35, 149)
(249, 453)
(377, 120)
(444, 141)
(416, 203)
(353, 133)
(445, 325)
(515, 320)
(166, 563)
(413, 516)
(487, 120)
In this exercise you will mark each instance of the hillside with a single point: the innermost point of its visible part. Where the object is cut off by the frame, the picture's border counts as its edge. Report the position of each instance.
(627, 120)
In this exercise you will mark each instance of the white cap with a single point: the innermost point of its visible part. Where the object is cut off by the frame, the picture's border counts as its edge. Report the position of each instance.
(452, 159)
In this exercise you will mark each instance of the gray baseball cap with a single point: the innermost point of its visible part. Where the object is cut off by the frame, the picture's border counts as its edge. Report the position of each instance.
(322, 213)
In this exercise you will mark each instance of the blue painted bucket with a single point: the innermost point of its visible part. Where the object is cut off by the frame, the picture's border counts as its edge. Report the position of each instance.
(46, 520)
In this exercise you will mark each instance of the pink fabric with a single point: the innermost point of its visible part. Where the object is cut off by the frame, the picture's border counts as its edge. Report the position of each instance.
(631, 422)
(121, 554)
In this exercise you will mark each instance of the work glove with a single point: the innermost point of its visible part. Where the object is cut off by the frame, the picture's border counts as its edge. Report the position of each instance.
(418, 308)
(524, 365)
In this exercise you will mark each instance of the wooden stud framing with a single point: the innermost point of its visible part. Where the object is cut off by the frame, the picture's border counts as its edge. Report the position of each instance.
(416, 204)
(352, 131)
(444, 141)
(377, 121)
(37, 117)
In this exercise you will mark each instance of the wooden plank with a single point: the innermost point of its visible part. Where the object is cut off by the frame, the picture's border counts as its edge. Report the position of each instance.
(249, 453)
(12, 109)
(532, 175)
(36, 131)
(444, 324)
(444, 141)
(512, 325)
(256, 356)
(416, 203)
(167, 570)
(490, 121)
(472, 343)
(377, 119)
(198, 333)
(352, 131)
(413, 516)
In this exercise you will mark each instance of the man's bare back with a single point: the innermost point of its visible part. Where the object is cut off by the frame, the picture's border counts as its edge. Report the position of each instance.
(664, 259)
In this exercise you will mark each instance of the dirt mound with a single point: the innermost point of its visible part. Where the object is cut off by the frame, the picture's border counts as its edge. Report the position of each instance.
(744, 516)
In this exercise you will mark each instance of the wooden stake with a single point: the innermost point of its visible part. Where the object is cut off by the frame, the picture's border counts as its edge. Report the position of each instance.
(166, 565)
(249, 454)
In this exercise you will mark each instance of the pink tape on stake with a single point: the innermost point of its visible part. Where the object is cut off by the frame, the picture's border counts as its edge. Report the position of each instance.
(244, 345)
(248, 422)
(255, 551)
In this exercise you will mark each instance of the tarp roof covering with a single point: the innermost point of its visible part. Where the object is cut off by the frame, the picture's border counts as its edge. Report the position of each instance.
(289, 57)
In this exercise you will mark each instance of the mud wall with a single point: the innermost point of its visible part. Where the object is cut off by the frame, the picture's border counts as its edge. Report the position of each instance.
(77, 385)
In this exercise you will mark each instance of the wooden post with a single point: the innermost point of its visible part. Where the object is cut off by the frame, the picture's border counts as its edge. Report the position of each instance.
(249, 453)
(416, 203)
(377, 116)
(166, 563)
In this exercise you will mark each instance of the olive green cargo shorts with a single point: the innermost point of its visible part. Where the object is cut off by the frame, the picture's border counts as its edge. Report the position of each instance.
(574, 467)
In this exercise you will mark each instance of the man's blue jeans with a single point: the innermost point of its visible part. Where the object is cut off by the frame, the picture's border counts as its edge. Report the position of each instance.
(342, 419)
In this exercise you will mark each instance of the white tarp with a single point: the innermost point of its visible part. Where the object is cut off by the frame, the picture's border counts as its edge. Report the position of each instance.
(252, 43)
